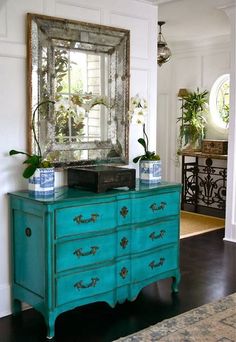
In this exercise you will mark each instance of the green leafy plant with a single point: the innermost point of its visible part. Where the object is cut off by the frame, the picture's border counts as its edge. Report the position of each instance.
(192, 120)
(147, 155)
(225, 114)
(33, 161)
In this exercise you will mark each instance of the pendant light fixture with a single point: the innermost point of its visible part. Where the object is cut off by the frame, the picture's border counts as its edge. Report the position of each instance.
(163, 52)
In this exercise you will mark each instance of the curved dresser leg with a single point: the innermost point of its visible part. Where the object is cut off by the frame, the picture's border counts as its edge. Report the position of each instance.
(175, 283)
(50, 321)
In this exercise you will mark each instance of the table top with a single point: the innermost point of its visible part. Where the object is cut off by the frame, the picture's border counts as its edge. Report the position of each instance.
(200, 154)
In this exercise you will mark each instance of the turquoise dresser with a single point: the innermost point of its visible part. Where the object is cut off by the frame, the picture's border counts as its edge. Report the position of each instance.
(81, 247)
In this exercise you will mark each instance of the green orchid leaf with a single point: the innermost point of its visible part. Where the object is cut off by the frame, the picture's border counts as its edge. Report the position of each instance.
(29, 171)
(149, 154)
(143, 143)
(136, 159)
(33, 160)
(13, 152)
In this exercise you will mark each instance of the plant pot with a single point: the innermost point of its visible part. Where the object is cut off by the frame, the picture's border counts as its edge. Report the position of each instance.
(150, 171)
(41, 184)
(191, 141)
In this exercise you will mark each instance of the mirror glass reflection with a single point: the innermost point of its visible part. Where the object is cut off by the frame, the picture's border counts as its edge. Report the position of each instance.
(84, 69)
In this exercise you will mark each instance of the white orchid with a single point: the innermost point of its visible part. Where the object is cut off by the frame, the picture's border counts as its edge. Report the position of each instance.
(87, 101)
(138, 109)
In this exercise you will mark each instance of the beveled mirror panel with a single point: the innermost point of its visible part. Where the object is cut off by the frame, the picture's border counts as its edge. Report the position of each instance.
(84, 69)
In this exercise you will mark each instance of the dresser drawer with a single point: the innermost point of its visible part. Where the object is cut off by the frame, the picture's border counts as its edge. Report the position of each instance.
(83, 219)
(155, 263)
(85, 284)
(155, 206)
(83, 252)
(155, 235)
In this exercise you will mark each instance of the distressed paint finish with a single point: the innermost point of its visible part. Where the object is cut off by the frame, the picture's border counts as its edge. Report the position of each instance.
(80, 247)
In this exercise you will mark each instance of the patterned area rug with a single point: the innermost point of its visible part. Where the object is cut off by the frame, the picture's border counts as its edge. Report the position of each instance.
(214, 322)
(193, 224)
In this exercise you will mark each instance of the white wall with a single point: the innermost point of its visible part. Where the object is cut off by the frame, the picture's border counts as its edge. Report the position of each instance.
(230, 231)
(189, 68)
(139, 17)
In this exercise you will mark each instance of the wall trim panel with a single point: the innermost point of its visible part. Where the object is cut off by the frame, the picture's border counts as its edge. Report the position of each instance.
(49, 7)
(87, 14)
(12, 49)
(76, 4)
(3, 21)
(137, 22)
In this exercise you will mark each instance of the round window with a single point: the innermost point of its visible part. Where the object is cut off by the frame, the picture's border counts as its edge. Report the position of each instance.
(219, 101)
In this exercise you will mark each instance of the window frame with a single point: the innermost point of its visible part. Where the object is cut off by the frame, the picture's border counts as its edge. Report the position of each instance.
(214, 112)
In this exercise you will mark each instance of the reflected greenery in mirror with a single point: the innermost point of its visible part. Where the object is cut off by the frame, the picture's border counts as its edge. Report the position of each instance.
(84, 69)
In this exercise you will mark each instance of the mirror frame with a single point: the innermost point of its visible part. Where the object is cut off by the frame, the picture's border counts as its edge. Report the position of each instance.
(125, 81)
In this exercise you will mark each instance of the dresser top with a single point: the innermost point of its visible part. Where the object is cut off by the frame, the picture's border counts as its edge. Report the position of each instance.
(66, 194)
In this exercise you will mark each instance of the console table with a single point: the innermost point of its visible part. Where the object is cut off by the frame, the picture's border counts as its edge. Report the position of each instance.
(81, 247)
(204, 183)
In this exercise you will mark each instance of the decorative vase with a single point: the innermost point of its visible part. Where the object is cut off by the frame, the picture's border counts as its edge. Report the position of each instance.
(41, 184)
(150, 171)
(190, 141)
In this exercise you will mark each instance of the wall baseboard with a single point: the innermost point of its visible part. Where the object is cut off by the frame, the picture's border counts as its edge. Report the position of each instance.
(229, 240)
(5, 303)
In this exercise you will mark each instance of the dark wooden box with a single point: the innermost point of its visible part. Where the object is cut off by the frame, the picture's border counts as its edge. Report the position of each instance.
(215, 146)
(101, 178)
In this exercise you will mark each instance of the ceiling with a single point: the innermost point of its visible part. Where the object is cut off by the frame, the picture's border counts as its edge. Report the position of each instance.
(197, 21)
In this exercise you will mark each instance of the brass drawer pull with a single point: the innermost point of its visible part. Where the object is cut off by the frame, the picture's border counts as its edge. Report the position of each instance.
(123, 273)
(155, 207)
(160, 263)
(153, 235)
(79, 285)
(124, 242)
(79, 219)
(124, 211)
(79, 252)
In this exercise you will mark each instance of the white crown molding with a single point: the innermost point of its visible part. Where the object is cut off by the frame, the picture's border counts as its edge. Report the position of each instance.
(161, 2)
(151, 2)
(158, 2)
(223, 4)
(218, 4)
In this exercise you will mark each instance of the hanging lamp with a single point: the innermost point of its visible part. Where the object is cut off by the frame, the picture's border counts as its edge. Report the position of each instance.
(163, 52)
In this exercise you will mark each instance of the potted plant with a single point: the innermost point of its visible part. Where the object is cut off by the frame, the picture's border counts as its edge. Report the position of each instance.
(39, 171)
(33, 162)
(149, 162)
(147, 154)
(193, 121)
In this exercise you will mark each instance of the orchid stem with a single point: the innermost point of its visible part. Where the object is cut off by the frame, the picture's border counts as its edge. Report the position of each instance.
(145, 135)
(33, 125)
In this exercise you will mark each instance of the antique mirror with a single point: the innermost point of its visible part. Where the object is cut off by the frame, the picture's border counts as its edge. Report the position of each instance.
(78, 91)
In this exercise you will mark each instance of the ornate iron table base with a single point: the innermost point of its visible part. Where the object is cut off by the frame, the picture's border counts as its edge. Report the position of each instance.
(204, 184)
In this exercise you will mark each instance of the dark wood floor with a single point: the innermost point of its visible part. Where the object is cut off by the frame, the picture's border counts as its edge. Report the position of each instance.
(208, 273)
